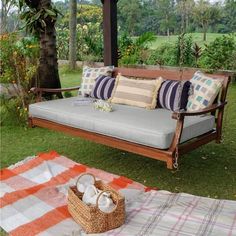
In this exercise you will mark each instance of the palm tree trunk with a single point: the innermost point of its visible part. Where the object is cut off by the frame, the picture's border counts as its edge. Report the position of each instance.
(47, 74)
(72, 26)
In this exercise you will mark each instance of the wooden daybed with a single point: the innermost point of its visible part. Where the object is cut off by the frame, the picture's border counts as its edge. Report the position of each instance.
(169, 155)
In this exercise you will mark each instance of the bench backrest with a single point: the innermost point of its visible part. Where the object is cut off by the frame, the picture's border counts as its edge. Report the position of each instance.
(171, 75)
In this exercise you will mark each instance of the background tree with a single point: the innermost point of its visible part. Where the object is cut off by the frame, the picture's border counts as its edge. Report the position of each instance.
(216, 16)
(150, 19)
(6, 6)
(203, 15)
(72, 27)
(40, 17)
(165, 10)
(129, 15)
(97, 2)
(230, 15)
(184, 8)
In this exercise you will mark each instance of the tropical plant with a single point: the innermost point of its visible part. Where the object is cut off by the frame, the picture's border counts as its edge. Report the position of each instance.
(135, 51)
(184, 46)
(197, 52)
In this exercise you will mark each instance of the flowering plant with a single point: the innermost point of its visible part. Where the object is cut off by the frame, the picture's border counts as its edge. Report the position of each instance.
(89, 42)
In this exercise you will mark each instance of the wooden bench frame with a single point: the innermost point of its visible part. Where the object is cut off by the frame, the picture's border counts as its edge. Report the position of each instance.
(170, 155)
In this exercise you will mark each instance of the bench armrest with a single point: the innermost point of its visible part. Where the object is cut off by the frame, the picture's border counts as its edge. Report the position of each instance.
(212, 108)
(49, 90)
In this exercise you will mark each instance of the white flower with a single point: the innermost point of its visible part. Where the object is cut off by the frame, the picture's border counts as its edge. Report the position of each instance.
(103, 106)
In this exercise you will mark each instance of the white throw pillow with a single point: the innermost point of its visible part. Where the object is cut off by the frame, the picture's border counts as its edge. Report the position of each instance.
(204, 92)
(89, 76)
(133, 92)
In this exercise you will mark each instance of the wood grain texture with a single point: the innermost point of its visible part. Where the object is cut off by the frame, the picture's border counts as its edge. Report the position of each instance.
(166, 74)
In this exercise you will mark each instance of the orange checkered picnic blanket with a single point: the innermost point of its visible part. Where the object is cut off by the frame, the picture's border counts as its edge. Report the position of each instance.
(33, 195)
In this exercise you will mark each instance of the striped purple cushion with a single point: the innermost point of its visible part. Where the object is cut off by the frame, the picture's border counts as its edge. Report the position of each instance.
(103, 87)
(173, 95)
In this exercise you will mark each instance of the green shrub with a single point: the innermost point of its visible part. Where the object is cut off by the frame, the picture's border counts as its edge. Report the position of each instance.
(19, 60)
(163, 55)
(220, 54)
(168, 54)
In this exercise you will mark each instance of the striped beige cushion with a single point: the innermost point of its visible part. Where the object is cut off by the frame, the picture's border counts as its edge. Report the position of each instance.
(140, 93)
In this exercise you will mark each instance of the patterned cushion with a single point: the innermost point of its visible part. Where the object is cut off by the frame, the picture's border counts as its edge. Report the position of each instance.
(140, 93)
(89, 76)
(173, 95)
(103, 87)
(205, 91)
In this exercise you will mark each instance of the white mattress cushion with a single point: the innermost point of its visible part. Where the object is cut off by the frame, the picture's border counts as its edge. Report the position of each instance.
(154, 128)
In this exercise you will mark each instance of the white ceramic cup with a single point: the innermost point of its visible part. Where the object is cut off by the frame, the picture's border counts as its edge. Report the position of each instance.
(84, 181)
(90, 193)
(105, 203)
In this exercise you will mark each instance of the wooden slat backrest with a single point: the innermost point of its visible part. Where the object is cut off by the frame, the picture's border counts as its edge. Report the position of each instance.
(171, 75)
(151, 74)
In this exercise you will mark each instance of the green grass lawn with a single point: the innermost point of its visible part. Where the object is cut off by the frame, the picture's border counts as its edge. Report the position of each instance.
(197, 38)
(208, 171)
(69, 78)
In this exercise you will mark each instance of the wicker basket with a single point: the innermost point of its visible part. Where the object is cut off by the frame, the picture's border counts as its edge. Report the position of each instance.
(91, 218)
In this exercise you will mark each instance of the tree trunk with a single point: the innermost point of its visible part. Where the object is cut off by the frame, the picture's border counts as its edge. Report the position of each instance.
(204, 33)
(186, 22)
(72, 26)
(6, 6)
(48, 74)
(3, 18)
